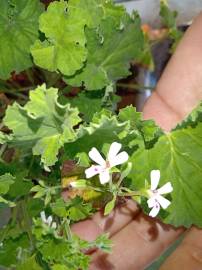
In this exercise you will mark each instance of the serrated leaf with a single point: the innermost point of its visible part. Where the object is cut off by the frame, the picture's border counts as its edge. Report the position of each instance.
(18, 31)
(103, 129)
(109, 58)
(42, 125)
(64, 49)
(178, 156)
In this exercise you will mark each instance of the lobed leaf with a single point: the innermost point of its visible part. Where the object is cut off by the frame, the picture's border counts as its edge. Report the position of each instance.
(42, 125)
(18, 30)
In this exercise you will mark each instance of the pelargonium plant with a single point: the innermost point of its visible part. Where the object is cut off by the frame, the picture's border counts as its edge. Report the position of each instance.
(63, 158)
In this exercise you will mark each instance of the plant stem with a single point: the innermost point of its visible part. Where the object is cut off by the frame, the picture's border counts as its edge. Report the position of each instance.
(67, 229)
(136, 86)
(7, 91)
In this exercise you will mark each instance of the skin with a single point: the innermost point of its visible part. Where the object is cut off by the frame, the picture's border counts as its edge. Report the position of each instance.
(137, 239)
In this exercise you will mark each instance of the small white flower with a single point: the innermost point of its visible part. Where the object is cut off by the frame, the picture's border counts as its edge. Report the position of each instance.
(156, 200)
(48, 221)
(103, 168)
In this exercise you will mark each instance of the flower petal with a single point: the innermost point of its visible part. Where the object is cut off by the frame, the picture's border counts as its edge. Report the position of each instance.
(119, 159)
(163, 201)
(49, 220)
(104, 177)
(155, 210)
(167, 188)
(96, 156)
(155, 177)
(113, 150)
(43, 216)
(92, 171)
(54, 225)
(151, 202)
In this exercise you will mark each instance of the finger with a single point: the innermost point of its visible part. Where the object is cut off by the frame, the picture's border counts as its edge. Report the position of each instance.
(188, 256)
(179, 89)
(119, 218)
(136, 245)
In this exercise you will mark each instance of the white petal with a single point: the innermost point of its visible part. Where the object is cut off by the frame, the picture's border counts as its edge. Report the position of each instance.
(119, 159)
(95, 156)
(43, 216)
(155, 210)
(151, 202)
(104, 177)
(49, 220)
(113, 150)
(54, 225)
(155, 177)
(167, 188)
(163, 201)
(92, 171)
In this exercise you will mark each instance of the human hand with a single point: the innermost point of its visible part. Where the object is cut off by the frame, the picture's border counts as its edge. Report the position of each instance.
(138, 239)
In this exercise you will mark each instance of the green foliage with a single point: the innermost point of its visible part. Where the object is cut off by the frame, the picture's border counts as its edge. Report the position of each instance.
(29, 264)
(64, 46)
(91, 43)
(6, 181)
(110, 206)
(177, 156)
(42, 125)
(109, 53)
(74, 209)
(18, 31)
(83, 101)
(169, 20)
(13, 247)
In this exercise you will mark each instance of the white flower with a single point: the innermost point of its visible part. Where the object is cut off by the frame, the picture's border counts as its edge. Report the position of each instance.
(156, 200)
(103, 168)
(48, 221)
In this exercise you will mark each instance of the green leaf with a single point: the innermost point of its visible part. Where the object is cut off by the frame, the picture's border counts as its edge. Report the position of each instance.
(79, 210)
(29, 264)
(142, 132)
(178, 156)
(43, 124)
(21, 187)
(75, 209)
(12, 247)
(110, 51)
(64, 47)
(168, 18)
(18, 31)
(6, 181)
(60, 252)
(103, 129)
(104, 243)
(60, 267)
(82, 103)
(110, 206)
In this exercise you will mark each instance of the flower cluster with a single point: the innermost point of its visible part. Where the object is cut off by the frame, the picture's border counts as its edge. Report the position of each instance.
(114, 158)
(48, 221)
